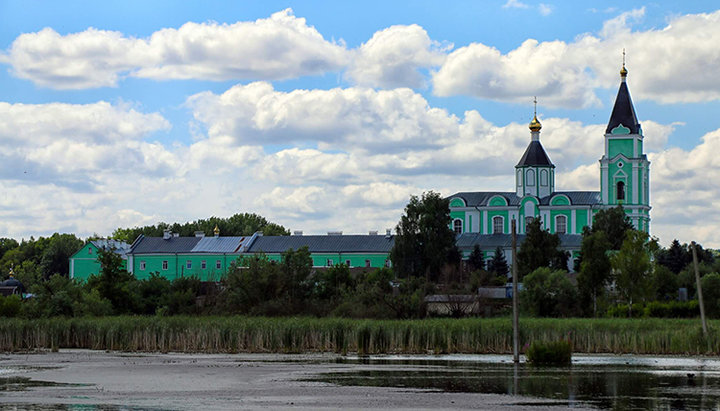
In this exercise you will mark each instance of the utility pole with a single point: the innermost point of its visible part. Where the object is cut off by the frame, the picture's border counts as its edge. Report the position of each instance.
(699, 288)
(516, 352)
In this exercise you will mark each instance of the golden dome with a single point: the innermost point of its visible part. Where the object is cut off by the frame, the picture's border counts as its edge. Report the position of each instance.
(535, 124)
(623, 71)
(216, 231)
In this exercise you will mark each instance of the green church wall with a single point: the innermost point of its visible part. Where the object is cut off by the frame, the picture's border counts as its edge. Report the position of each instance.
(581, 218)
(568, 220)
(455, 215)
(84, 263)
(501, 213)
(622, 146)
(456, 202)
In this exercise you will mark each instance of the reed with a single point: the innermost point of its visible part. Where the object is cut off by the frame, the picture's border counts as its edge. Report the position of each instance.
(302, 334)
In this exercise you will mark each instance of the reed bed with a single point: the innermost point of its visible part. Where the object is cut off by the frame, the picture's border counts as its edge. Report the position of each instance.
(300, 334)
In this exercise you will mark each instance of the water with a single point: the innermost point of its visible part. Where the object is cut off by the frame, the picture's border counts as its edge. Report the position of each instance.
(605, 382)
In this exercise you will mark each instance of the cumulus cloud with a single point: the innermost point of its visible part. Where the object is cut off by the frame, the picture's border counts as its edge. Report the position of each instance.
(394, 56)
(281, 46)
(674, 64)
(61, 143)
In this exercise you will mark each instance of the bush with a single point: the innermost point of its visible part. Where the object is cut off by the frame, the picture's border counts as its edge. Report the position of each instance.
(711, 294)
(10, 305)
(621, 311)
(672, 309)
(549, 294)
(549, 353)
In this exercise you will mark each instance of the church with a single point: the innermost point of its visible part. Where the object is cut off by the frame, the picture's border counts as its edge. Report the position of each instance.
(484, 217)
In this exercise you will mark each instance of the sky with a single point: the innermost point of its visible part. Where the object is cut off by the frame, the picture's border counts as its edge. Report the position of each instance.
(327, 116)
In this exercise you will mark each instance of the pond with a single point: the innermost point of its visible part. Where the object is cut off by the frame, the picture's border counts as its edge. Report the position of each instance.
(605, 382)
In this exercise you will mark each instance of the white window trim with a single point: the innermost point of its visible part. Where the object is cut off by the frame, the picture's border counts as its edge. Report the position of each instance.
(188, 265)
(165, 265)
(142, 265)
(218, 264)
(457, 220)
(557, 219)
(502, 219)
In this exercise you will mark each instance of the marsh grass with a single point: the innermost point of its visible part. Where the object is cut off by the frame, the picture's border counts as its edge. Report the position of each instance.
(302, 334)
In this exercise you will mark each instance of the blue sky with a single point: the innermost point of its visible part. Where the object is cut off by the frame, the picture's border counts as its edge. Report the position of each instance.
(327, 115)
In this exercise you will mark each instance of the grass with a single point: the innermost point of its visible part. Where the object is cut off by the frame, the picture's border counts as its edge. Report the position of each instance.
(302, 334)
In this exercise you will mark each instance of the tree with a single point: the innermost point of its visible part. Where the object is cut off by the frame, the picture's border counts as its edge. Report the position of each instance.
(711, 294)
(633, 266)
(675, 258)
(424, 242)
(665, 283)
(55, 256)
(615, 223)
(549, 293)
(476, 260)
(236, 225)
(595, 267)
(540, 249)
(113, 283)
(498, 264)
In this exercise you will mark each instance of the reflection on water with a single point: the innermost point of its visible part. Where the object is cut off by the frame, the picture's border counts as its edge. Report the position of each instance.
(651, 384)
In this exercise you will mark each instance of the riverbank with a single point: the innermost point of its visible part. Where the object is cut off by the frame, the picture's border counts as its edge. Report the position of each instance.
(239, 334)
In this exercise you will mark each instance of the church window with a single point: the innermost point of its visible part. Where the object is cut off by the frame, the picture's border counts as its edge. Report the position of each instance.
(544, 177)
(203, 264)
(561, 224)
(519, 178)
(498, 225)
(188, 264)
(218, 264)
(528, 220)
(530, 177)
(620, 192)
(142, 265)
(165, 264)
(329, 262)
(457, 226)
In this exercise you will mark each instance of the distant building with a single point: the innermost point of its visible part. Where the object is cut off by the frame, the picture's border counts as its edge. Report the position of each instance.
(84, 262)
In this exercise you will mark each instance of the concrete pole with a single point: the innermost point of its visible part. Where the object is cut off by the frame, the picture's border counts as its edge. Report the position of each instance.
(699, 288)
(516, 351)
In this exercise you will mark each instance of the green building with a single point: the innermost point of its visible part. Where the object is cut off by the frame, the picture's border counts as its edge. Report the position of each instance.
(84, 262)
(484, 218)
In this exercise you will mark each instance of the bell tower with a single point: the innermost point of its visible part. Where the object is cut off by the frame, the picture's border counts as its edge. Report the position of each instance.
(535, 173)
(624, 168)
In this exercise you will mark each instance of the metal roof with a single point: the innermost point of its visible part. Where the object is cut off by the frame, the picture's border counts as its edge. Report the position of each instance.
(323, 243)
(535, 155)
(152, 245)
(219, 244)
(623, 112)
(119, 247)
(485, 241)
(481, 198)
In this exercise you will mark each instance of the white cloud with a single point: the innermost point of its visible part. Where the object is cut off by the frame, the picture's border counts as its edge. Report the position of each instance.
(393, 56)
(515, 4)
(281, 46)
(545, 9)
(674, 64)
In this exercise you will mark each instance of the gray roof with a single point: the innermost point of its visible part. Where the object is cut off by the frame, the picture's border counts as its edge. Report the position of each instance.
(323, 243)
(488, 241)
(153, 245)
(120, 247)
(535, 155)
(219, 244)
(481, 198)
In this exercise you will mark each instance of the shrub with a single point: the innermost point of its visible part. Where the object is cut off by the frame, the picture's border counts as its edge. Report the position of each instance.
(672, 309)
(549, 293)
(10, 305)
(549, 353)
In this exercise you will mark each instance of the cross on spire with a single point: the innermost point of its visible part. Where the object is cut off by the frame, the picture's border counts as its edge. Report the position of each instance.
(535, 109)
(623, 56)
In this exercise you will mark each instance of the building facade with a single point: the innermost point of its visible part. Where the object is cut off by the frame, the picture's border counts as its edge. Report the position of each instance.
(624, 180)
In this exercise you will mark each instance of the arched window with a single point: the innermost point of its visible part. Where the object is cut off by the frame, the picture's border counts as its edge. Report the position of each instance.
(620, 192)
(457, 226)
(530, 177)
(560, 224)
(528, 221)
(544, 178)
(498, 226)
(519, 178)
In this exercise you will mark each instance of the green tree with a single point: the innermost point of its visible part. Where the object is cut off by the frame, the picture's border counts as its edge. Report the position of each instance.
(675, 257)
(549, 293)
(424, 242)
(476, 261)
(665, 283)
(540, 249)
(595, 269)
(7, 244)
(711, 294)
(498, 264)
(615, 223)
(633, 266)
(114, 283)
(55, 256)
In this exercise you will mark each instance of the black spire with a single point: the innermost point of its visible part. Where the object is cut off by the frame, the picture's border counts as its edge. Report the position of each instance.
(623, 112)
(535, 156)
